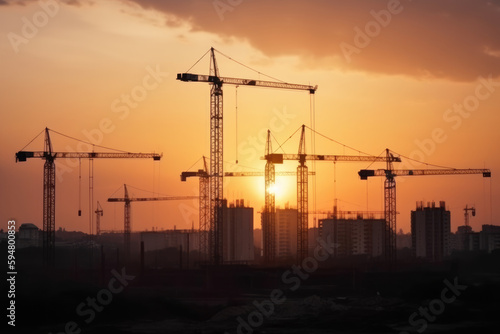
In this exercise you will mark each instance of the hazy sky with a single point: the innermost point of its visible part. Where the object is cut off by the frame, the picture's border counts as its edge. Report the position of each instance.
(419, 77)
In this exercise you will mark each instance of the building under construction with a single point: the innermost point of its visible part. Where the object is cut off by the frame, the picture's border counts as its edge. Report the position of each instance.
(286, 233)
(430, 231)
(238, 233)
(354, 233)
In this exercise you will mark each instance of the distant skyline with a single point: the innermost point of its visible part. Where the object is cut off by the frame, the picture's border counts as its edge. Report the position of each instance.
(419, 77)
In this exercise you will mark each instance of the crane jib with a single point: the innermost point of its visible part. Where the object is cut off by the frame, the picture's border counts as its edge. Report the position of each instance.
(365, 173)
(187, 77)
(24, 155)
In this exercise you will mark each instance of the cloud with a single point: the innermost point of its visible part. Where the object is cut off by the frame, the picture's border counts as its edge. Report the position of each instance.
(26, 2)
(449, 39)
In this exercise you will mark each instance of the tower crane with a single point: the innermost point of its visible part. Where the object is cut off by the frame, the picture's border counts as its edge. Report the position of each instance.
(302, 190)
(49, 184)
(466, 215)
(203, 194)
(127, 212)
(390, 194)
(99, 212)
(468, 229)
(204, 205)
(216, 172)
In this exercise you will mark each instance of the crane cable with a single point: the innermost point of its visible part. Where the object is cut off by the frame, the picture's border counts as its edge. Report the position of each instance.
(248, 67)
(244, 166)
(281, 145)
(423, 163)
(189, 69)
(154, 194)
(38, 135)
(491, 204)
(337, 142)
(194, 164)
(148, 191)
(236, 107)
(367, 208)
(335, 183)
(312, 116)
(79, 187)
(89, 143)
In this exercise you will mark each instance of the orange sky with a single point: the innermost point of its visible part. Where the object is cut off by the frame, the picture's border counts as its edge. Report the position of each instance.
(69, 67)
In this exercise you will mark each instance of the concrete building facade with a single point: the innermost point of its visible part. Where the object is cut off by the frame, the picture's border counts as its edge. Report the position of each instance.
(238, 233)
(286, 233)
(355, 236)
(430, 231)
(157, 240)
(489, 238)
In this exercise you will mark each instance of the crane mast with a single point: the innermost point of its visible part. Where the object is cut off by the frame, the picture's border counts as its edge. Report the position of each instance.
(216, 172)
(302, 201)
(468, 229)
(466, 215)
(204, 209)
(390, 211)
(49, 203)
(216, 166)
(269, 217)
(127, 208)
(203, 206)
(99, 212)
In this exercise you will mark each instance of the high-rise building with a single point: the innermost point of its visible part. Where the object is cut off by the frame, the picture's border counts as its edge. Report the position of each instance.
(464, 239)
(238, 240)
(257, 240)
(286, 233)
(312, 235)
(430, 231)
(489, 238)
(354, 236)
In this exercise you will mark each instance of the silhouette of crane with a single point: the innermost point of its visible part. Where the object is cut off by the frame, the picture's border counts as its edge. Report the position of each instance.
(49, 184)
(302, 191)
(468, 229)
(204, 195)
(99, 212)
(216, 172)
(390, 194)
(127, 212)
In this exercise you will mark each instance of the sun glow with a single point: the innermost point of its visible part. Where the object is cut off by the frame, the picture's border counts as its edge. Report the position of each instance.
(278, 189)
